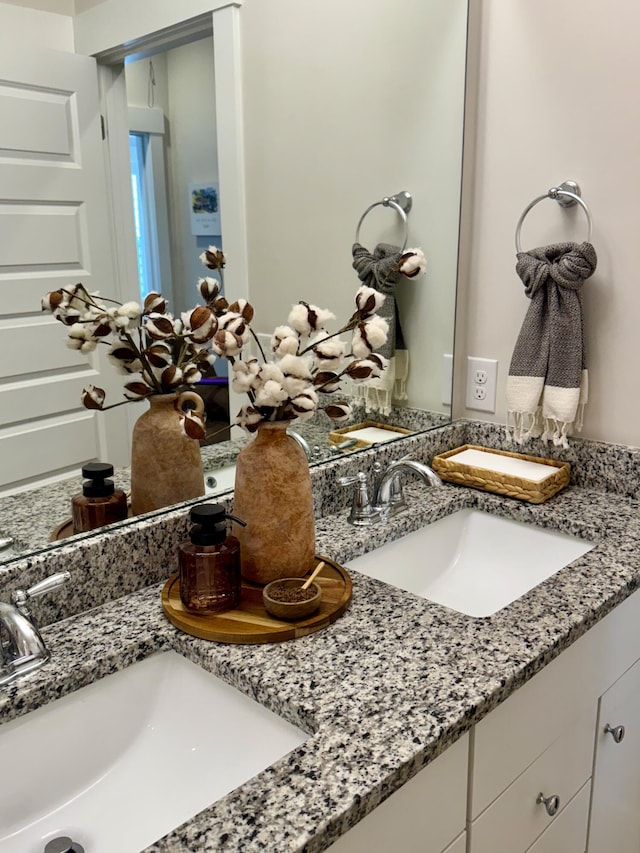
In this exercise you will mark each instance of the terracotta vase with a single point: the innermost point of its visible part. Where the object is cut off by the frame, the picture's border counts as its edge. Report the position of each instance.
(273, 495)
(166, 467)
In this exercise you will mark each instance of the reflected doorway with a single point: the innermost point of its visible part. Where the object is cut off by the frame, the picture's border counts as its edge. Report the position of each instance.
(173, 147)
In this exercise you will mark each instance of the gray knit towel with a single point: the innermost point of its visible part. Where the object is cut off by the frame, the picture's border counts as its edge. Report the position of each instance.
(379, 270)
(547, 386)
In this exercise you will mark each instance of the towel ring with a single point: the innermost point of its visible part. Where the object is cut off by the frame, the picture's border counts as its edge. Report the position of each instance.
(401, 202)
(567, 194)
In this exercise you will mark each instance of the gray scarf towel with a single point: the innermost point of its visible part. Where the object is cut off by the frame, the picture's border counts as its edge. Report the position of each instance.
(379, 270)
(547, 386)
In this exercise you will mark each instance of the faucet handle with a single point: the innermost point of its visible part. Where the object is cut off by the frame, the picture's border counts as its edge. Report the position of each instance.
(21, 597)
(362, 514)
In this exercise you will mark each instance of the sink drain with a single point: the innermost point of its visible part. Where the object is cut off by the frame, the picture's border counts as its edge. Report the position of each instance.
(63, 844)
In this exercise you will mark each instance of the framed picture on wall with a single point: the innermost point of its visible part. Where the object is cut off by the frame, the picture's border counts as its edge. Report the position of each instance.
(205, 209)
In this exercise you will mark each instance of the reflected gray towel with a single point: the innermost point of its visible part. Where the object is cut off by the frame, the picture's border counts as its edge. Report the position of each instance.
(379, 270)
(547, 384)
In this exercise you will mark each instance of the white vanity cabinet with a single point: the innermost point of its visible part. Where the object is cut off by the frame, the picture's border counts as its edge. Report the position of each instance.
(615, 813)
(427, 815)
(525, 774)
(530, 785)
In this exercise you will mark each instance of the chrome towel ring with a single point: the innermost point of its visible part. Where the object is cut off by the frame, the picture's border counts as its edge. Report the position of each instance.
(567, 195)
(401, 202)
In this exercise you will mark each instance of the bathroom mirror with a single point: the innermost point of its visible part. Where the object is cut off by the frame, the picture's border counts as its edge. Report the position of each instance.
(342, 106)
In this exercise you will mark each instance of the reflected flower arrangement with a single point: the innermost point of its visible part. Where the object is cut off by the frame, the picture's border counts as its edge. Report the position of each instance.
(167, 354)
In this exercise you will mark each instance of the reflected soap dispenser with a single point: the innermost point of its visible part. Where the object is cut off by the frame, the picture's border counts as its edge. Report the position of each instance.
(210, 562)
(100, 502)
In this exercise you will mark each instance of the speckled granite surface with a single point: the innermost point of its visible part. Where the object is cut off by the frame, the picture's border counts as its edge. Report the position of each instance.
(382, 691)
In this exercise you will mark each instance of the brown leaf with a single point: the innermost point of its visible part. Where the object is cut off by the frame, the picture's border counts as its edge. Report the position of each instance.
(193, 426)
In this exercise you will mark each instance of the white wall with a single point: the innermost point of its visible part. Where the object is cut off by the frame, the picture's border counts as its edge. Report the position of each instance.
(558, 99)
(345, 104)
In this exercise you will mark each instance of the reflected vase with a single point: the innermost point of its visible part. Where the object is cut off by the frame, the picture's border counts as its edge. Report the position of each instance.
(273, 496)
(166, 467)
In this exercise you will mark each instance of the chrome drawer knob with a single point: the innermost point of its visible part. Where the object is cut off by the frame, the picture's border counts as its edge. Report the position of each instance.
(616, 732)
(551, 804)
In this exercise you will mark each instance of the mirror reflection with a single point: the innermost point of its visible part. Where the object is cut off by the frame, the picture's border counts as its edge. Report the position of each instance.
(324, 140)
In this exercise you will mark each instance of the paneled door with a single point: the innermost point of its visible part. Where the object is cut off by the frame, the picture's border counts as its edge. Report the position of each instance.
(54, 230)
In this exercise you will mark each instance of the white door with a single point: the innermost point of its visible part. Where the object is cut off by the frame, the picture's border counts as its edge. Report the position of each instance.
(615, 806)
(54, 230)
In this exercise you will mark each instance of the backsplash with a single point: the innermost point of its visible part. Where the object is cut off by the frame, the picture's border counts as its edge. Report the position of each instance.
(106, 566)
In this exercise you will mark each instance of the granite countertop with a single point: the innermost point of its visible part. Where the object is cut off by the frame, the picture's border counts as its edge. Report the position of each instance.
(387, 687)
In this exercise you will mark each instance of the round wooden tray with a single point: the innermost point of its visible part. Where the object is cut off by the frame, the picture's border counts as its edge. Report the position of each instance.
(65, 529)
(250, 622)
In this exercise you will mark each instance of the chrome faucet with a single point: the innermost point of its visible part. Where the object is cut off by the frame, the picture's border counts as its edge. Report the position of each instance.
(304, 444)
(389, 498)
(388, 495)
(22, 649)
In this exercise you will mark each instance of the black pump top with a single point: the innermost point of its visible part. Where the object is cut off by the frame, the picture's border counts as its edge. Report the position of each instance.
(210, 524)
(97, 486)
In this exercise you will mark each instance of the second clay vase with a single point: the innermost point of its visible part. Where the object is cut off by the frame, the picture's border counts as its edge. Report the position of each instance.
(273, 496)
(166, 467)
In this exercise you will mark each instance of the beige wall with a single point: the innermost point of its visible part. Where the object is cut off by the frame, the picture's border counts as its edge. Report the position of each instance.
(558, 99)
(59, 7)
(34, 29)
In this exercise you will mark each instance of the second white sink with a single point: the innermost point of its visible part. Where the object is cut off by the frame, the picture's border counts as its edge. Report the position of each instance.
(471, 561)
(118, 764)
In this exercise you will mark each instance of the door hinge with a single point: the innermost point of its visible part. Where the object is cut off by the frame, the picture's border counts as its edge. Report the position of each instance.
(103, 127)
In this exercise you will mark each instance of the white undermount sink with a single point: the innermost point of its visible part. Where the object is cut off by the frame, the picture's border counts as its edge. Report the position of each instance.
(118, 764)
(471, 561)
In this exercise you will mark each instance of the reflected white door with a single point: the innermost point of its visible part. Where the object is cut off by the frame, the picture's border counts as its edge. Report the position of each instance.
(54, 230)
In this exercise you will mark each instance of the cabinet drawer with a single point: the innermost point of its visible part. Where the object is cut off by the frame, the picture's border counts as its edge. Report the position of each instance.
(568, 832)
(422, 816)
(615, 815)
(515, 820)
(512, 736)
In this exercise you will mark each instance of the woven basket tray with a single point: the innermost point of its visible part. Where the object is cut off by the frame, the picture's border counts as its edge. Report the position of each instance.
(501, 483)
(338, 435)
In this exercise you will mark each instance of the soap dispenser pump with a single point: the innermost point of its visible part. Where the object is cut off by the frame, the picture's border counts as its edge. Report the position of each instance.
(210, 562)
(100, 502)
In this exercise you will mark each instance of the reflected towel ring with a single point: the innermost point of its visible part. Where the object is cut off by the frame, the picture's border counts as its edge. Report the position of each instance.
(401, 202)
(567, 194)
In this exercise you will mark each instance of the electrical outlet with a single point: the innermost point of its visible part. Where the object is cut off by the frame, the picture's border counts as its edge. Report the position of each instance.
(482, 376)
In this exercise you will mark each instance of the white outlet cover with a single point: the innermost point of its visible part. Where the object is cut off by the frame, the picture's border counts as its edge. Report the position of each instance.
(489, 367)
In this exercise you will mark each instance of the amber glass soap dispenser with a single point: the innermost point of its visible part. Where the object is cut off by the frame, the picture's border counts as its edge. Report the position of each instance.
(210, 562)
(100, 502)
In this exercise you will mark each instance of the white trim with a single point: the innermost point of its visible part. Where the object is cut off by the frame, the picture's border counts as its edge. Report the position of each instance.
(113, 103)
(117, 23)
(231, 171)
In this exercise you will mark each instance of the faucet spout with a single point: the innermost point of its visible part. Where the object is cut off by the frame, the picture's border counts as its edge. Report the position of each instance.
(304, 444)
(22, 649)
(21, 645)
(389, 491)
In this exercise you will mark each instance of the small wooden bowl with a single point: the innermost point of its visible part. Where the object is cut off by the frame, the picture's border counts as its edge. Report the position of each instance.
(282, 609)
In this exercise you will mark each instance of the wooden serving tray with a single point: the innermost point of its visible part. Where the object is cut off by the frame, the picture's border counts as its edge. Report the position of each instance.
(250, 622)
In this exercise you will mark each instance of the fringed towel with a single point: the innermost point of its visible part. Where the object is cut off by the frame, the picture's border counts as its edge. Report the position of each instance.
(379, 270)
(547, 386)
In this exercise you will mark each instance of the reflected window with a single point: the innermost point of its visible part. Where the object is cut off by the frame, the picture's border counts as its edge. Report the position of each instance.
(144, 215)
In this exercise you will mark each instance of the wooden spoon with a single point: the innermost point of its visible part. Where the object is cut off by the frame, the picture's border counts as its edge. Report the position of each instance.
(314, 574)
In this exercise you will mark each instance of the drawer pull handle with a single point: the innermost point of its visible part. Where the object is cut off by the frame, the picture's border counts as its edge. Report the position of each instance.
(617, 732)
(551, 804)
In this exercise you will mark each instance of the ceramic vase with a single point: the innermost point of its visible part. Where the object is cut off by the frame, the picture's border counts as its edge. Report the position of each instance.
(166, 467)
(273, 496)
